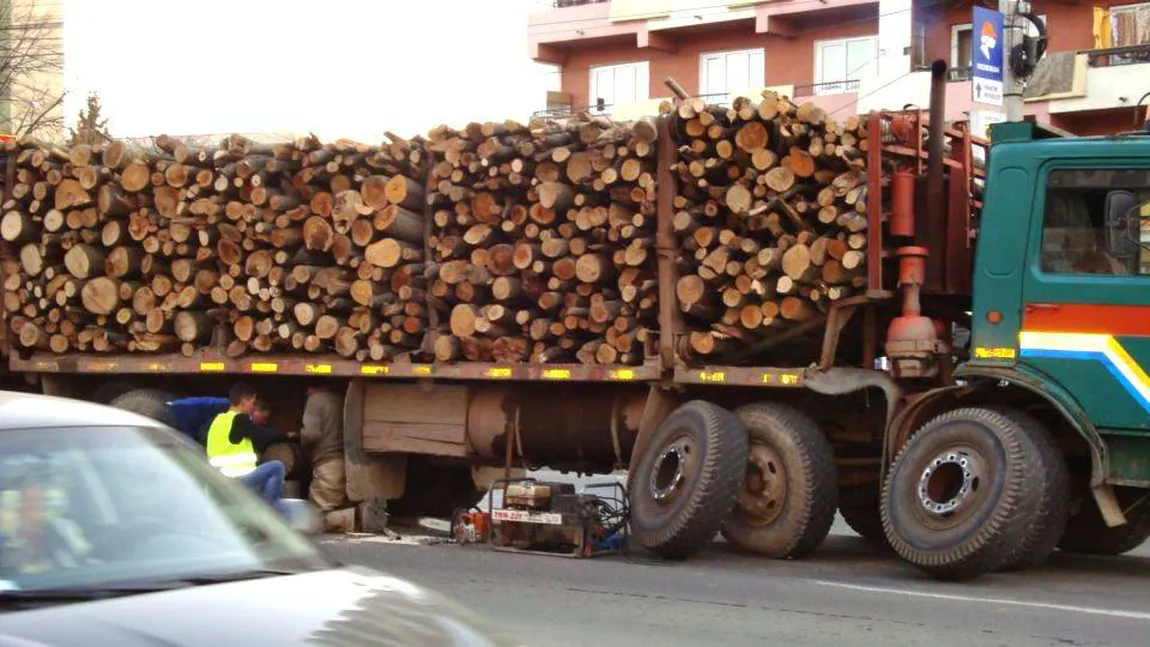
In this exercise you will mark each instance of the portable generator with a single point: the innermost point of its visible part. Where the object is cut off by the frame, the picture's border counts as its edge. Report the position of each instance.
(547, 517)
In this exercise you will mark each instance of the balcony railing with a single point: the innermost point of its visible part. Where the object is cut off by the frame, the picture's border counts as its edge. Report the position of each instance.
(1111, 56)
(562, 112)
(833, 87)
(560, 4)
(958, 74)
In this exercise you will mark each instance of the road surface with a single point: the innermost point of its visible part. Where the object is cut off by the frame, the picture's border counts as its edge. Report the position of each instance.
(849, 594)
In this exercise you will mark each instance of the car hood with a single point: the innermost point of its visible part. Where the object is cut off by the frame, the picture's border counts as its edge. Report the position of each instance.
(333, 607)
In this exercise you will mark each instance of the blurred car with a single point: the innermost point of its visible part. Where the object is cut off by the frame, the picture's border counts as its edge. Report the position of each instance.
(114, 530)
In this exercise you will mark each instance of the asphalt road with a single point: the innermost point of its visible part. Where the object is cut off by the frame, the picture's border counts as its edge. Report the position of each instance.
(849, 593)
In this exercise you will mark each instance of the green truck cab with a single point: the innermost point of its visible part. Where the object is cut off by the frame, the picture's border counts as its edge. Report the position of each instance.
(1053, 404)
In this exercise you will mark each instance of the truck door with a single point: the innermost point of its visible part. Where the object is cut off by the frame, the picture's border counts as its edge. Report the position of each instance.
(1086, 289)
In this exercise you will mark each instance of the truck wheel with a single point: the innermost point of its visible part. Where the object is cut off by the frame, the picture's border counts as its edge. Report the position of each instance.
(960, 495)
(108, 391)
(858, 506)
(787, 503)
(688, 479)
(1088, 534)
(152, 403)
(1052, 480)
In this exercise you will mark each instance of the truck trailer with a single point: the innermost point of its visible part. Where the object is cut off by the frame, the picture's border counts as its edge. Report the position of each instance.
(953, 358)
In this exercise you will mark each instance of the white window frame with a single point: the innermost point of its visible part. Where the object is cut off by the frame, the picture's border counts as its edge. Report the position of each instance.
(841, 86)
(705, 57)
(955, 30)
(643, 90)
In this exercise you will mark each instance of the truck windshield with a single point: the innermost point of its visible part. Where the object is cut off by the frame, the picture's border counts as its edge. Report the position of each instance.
(88, 507)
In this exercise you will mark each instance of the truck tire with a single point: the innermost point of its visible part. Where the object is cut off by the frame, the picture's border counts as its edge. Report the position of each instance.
(789, 493)
(688, 479)
(108, 391)
(859, 508)
(960, 495)
(1053, 509)
(152, 403)
(1087, 534)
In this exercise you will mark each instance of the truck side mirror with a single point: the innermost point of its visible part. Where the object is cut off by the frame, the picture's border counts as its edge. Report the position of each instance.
(1123, 224)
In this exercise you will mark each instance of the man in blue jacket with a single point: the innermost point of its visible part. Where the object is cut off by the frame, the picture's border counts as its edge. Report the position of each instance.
(193, 415)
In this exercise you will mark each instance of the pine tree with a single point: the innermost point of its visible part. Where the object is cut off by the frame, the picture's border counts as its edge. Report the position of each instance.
(90, 128)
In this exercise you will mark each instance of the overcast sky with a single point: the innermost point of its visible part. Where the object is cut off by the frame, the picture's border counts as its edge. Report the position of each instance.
(338, 68)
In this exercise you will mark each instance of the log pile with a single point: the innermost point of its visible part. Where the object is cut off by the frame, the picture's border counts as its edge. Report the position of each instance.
(771, 219)
(543, 244)
(291, 247)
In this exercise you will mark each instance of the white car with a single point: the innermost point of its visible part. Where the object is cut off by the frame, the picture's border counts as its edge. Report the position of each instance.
(114, 530)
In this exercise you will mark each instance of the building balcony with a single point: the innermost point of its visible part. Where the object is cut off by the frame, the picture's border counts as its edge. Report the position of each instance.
(560, 26)
(837, 99)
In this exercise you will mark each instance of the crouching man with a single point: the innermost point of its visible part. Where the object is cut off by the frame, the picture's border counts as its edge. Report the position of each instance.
(322, 439)
(234, 441)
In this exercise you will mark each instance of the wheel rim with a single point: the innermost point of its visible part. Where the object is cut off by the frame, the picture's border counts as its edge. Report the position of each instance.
(672, 471)
(764, 487)
(951, 487)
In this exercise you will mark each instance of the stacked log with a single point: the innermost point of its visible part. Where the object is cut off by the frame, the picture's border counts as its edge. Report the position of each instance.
(771, 221)
(543, 242)
(296, 246)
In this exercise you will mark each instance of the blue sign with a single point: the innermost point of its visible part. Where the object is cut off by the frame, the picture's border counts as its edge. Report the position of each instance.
(986, 57)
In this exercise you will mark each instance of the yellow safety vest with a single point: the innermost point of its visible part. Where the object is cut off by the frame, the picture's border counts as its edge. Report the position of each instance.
(231, 459)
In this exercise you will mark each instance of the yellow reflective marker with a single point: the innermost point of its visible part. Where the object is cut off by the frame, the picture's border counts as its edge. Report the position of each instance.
(789, 379)
(421, 369)
(103, 367)
(498, 371)
(712, 376)
(373, 370)
(264, 367)
(211, 367)
(985, 352)
(769, 378)
(47, 366)
(621, 374)
(556, 374)
(156, 367)
(317, 369)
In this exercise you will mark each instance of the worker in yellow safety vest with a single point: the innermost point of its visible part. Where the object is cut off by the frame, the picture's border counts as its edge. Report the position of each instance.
(234, 442)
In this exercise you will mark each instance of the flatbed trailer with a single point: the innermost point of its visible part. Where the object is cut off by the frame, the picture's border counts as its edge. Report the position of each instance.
(917, 443)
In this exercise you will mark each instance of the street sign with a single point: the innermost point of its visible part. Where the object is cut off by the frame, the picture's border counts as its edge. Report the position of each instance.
(980, 121)
(986, 56)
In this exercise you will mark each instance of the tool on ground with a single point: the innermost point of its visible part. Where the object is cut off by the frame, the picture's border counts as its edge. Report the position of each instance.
(551, 518)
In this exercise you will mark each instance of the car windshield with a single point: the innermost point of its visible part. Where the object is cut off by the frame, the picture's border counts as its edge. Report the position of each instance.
(88, 507)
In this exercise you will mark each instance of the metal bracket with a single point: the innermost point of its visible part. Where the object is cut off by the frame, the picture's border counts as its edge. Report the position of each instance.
(1108, 505)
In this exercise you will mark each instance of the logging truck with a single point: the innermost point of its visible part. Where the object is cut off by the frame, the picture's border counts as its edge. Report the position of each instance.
(764, 314)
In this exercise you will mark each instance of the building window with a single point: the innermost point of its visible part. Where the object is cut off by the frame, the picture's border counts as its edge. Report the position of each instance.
(615, 84)
(722, 74)
(840, 64)
(1092, 222)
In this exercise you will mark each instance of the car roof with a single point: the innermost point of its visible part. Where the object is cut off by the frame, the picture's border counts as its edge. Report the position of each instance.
(34, 411)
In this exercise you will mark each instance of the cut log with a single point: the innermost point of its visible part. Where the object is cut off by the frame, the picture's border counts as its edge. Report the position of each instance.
(100, 296)
(84, 261)
(192, 327)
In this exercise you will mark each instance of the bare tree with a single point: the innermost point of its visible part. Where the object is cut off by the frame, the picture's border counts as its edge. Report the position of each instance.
(91, 127)
(31, 62)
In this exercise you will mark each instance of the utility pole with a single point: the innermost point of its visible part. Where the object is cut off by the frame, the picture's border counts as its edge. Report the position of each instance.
(1011, 89)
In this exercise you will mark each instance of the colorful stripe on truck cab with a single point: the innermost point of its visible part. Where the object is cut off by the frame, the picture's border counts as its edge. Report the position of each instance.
(1101, 334)
(1094, 347)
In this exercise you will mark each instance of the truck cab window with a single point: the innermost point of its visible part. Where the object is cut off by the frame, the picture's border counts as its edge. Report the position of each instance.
(1092, 223)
